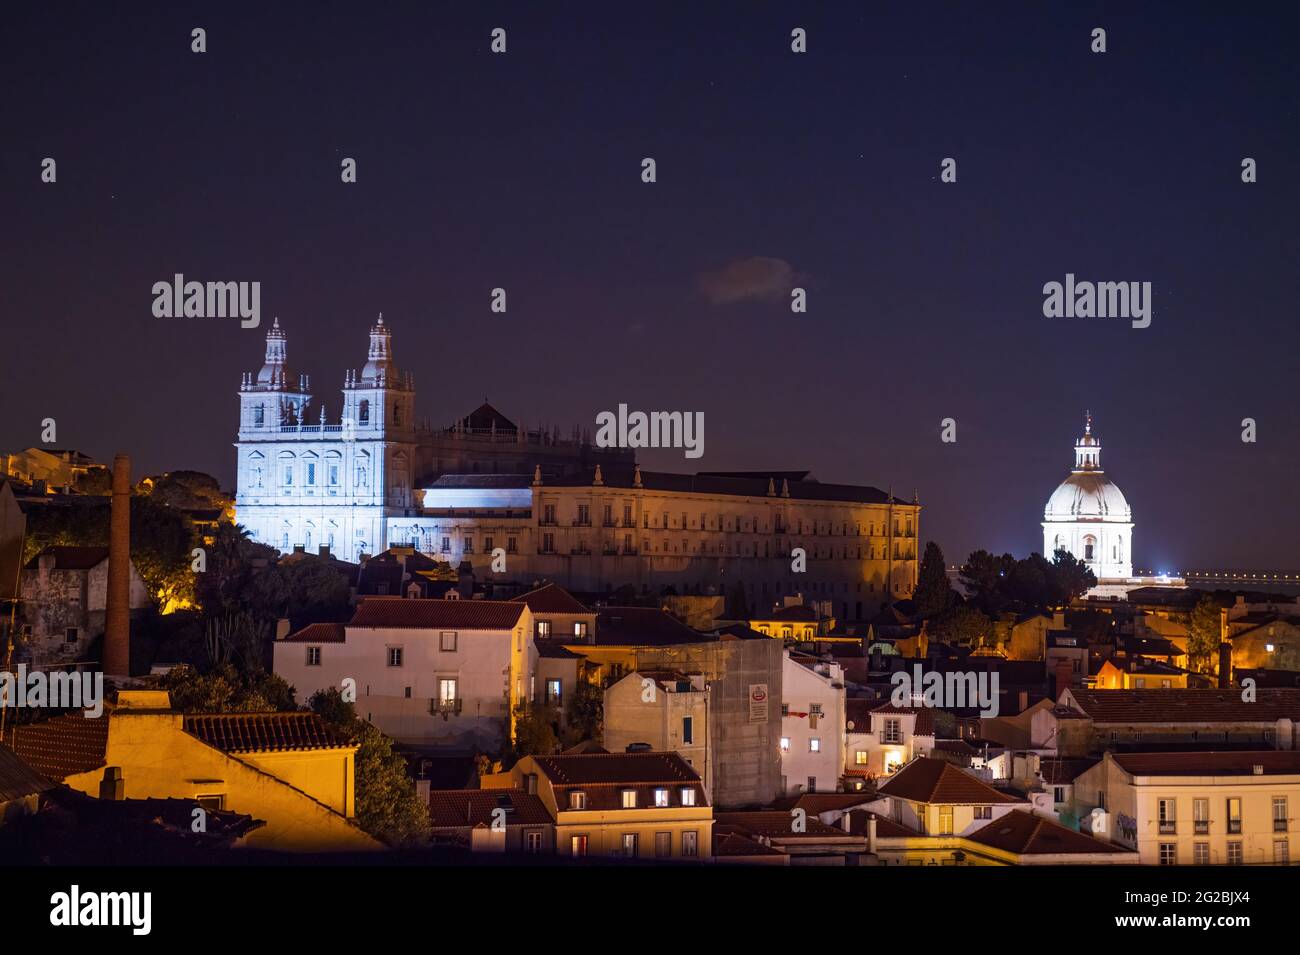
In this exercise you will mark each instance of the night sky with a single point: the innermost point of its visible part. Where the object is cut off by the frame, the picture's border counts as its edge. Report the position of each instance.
(523, 171)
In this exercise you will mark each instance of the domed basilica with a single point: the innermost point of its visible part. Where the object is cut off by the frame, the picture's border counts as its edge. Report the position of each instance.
(1088, 515)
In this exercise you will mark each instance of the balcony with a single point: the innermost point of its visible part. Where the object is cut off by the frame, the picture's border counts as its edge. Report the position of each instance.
(446, 708)
(581, 523)
(1279, 825)
(1201, 827)
(1168, 828)
(609, 522)
(549, 522)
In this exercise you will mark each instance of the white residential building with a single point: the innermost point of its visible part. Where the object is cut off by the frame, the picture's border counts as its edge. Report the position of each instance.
(812, 724)
(881, 738)
(441, 673)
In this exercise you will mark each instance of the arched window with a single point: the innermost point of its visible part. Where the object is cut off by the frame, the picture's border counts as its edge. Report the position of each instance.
(1089, 545)
(259, 416)
(364, 414)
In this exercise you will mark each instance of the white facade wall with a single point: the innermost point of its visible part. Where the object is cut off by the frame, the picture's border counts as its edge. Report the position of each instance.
(803, 692)
(480, 664)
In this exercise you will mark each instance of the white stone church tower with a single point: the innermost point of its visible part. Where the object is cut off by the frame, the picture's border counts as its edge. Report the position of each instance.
(314, 484)
(1088, 515)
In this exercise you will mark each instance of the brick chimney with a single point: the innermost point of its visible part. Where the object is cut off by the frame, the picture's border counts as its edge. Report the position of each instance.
(1225, 665)
(117, 630)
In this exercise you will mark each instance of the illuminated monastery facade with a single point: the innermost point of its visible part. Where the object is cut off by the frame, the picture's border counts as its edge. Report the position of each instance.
(587, 518)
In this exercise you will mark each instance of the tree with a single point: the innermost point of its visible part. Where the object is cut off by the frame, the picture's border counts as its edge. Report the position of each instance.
(189, 490)
(224, 689)
(161, 540)
(388, 806)
(1204, 633)
(933, 594)
(1072, 578)
(961, 624)
(587, 711)
(534, 735)
(983, 578)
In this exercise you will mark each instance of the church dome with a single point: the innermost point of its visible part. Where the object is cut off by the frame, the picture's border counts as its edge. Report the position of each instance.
(1087, 495)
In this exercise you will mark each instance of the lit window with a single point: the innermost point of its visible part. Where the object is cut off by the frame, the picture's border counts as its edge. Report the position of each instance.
(577, 799)
(447, 641)
(661, 797)
(688, 796)
(629, 798)
(785, 744)
(814, 745)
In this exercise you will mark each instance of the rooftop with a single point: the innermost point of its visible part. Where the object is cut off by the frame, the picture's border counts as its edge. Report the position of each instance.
(423, 614)
(1186, 706)
(929, 780)
(1026, 834)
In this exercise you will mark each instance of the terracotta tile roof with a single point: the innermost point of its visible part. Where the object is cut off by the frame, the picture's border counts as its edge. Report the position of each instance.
(552, 649)
(318, 633)
(735, 844)
(1063, 772)
(17, 779)
(931, 780)
(1026, 834)
(263, 732)
(618, 768)
(399, 613)
(63, 746)
(603, 777)
(1274, 763)
(1186, 706)
(551, 598)
(467, 808)
(885, 828)
(70, 558)
(774, 823)
(644, 627)
(817, 803)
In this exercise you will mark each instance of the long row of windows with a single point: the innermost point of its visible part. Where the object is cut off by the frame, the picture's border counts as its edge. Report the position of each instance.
(1167, 815)
(903, 527)
(629, 844)
(1233, 855)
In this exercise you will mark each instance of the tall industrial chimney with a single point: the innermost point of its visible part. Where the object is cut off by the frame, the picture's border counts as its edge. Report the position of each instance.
(117, 630)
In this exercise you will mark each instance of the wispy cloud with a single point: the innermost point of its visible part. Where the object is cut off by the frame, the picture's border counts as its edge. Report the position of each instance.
(755, 278)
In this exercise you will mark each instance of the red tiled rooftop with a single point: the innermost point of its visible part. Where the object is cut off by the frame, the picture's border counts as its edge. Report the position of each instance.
(776, 823)
(263, 732)
(1026, 834)
(318, 633)
(643, 627)
(930, 780)
(551, 598)
(467, 808)
(735, 845)
(426, 614)
(1273, 763)
(1187, 706)
(63, 746)
(616, 768)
